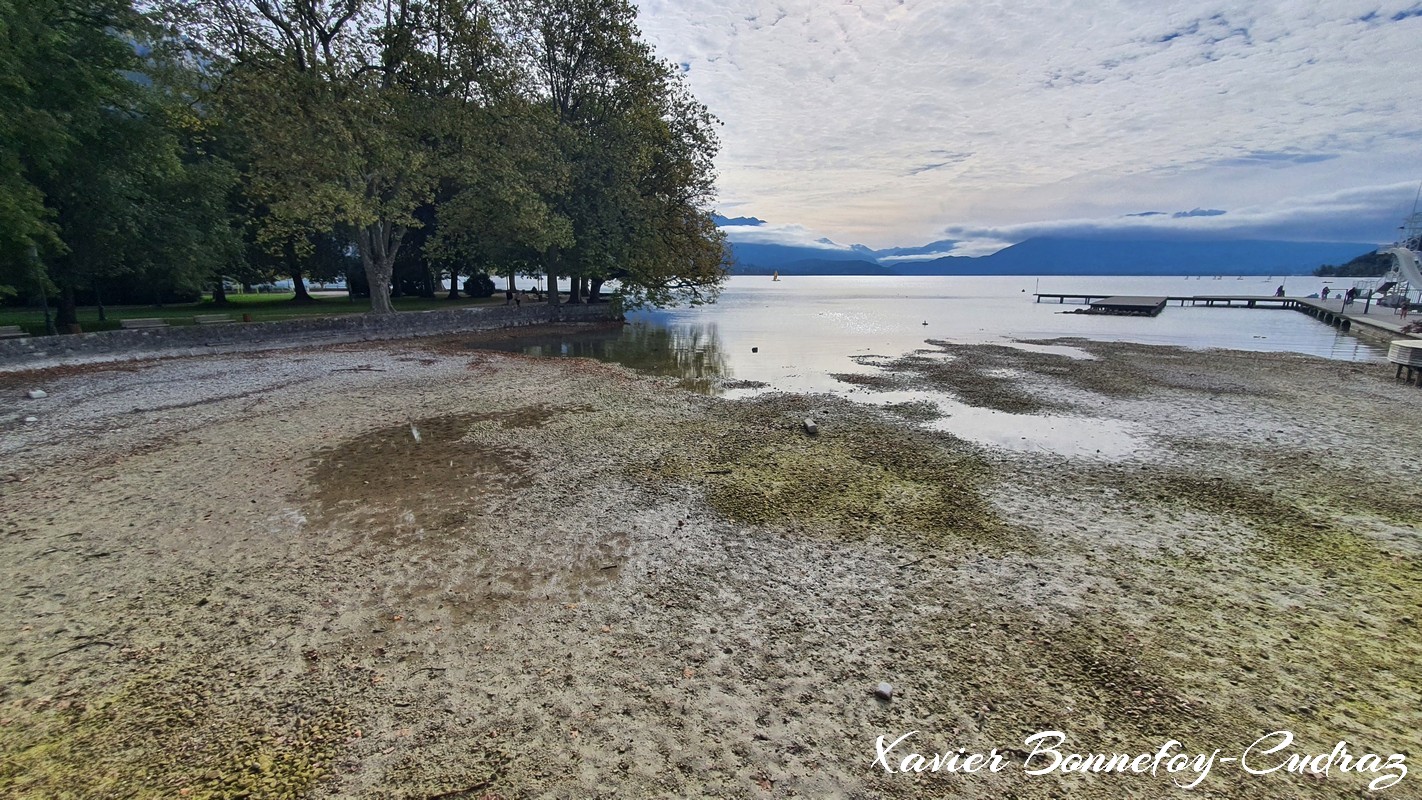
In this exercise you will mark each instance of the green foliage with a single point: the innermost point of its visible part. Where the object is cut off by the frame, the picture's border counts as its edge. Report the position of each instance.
(1368, 265)
(480, 285)
(104, 163)
(250, 138)
(640, 149)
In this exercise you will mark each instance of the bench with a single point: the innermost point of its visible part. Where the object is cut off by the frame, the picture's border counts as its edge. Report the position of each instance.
(146, 322)
(1407, 354)
(12, 332)
(213, 319)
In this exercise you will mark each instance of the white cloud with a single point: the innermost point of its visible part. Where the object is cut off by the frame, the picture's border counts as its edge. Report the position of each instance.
(883, 121)
(788, 234)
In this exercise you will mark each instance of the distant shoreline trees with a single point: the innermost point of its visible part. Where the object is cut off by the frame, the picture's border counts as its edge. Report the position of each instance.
(1368, 265)
(428, 139)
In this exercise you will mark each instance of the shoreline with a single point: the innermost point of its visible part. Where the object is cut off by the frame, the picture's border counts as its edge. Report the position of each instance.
(246, 572)
(250, 337)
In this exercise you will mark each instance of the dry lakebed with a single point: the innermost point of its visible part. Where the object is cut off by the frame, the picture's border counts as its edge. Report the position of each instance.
(421, 570)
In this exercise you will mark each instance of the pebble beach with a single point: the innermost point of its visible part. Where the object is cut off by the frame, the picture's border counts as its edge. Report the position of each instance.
(420, 570)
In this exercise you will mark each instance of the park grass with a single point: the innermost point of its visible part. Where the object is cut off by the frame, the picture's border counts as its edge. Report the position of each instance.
(260, 307)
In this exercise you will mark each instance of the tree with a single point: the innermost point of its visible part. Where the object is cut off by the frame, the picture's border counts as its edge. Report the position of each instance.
(327, 96)
(637, 201)
(109, 162)
(498, 219)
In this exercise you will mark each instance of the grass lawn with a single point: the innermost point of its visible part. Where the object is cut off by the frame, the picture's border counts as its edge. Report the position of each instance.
(261, 308)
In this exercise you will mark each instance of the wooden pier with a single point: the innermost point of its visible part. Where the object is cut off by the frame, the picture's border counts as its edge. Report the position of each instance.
(1247, 300)
(1367, 318)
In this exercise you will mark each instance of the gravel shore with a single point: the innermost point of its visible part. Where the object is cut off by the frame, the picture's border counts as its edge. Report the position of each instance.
(415, 570)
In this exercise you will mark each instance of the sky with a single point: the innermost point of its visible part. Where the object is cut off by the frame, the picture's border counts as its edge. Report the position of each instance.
(985, 122)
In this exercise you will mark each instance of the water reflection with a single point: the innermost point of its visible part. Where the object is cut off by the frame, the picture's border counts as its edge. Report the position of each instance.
(807, 337)
(691, 353)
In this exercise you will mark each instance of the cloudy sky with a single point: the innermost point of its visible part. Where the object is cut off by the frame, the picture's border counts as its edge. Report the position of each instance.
(898, 122)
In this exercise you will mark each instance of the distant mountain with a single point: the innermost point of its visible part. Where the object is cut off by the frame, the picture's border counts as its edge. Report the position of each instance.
(818, 266)
(1048, 255)
(941, 246)
(1065, 256)
(770, 256)
(731, 222)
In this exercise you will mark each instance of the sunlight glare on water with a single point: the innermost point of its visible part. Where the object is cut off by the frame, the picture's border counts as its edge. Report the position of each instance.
(796, 334)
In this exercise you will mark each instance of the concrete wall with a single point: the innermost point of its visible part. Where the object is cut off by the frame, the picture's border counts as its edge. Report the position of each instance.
(44, 351)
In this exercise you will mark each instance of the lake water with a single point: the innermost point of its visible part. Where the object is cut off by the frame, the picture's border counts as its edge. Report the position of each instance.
(795, 334)
(808, 328)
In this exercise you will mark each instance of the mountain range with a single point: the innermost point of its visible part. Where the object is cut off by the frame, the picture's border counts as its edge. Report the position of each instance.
(1046, 255)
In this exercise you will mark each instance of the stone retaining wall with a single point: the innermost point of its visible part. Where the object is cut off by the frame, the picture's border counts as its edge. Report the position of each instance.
(121, 345)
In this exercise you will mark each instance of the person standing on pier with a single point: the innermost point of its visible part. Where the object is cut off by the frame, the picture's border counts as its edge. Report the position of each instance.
(1279, 292)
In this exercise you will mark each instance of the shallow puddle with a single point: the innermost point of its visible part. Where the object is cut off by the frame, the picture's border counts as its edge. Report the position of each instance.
(1031, 433)
(426, 475)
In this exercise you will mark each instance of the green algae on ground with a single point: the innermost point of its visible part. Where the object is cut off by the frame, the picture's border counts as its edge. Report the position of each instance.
(980, 375)
(167, 736)
(992, 376)
(915, 411)
(858, 475)
(1307, 624)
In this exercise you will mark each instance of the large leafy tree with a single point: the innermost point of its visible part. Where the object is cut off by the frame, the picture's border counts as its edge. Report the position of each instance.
(639, 149)
(102, 168)
(342, 102)
(498, 218)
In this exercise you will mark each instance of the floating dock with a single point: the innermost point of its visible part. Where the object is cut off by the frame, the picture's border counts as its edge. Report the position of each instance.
(1127, 305)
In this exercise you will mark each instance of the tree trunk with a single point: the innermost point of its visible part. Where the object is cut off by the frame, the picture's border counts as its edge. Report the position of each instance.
(293, 268)
(453, 283)
(219, 293)
(427, 288)
(99, 298)
(68, 309)
(552, 265)
(378, 245)
(595, 290)
(302, 296)
(575, 290)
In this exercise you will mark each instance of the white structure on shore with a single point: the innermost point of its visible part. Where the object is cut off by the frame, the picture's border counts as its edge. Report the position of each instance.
(1406, 274)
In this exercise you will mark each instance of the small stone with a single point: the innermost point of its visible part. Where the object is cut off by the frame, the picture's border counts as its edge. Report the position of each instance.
(37, 394)
(755, 349)
(885, 692)
(31, 419)
(811, 428)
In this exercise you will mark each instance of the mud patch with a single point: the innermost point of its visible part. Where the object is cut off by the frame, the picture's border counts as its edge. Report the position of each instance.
(428, 475)
(535, 416)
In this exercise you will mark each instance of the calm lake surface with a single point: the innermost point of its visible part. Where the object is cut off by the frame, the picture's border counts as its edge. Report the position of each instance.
(795, 334)
(808, 328)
